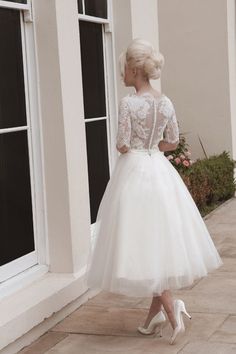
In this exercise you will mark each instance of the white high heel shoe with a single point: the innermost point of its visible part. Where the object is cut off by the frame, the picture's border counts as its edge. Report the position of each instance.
(179, 307)
(157, 321)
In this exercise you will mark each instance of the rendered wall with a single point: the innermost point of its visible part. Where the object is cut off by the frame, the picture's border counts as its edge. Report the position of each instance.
(193, 39)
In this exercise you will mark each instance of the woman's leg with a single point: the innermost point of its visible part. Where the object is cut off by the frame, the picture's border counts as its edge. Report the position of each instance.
(167, 301)
(168, 304)
(154, 309)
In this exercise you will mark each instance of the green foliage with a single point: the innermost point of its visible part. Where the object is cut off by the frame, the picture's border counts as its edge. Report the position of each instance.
(210, 180)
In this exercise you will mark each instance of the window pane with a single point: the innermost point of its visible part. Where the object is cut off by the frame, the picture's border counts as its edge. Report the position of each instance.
(12, 95)
(92, 69)
(16, 223)
(98, 166)
(80, 6)
(17, 1)
(96, 8)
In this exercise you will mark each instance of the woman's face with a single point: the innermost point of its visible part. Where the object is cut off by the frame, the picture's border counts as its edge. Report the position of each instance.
(129, 76)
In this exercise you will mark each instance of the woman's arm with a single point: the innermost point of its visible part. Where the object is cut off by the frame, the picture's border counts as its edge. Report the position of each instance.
(124, 127)
(165, 146)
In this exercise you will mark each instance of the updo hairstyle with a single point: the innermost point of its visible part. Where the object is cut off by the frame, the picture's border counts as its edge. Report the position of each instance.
(141, 54)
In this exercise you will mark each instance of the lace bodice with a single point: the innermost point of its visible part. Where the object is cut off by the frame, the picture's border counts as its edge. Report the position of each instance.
(144, 119)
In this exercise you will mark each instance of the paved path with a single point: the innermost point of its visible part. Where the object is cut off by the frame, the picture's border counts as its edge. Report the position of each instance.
(108, 323)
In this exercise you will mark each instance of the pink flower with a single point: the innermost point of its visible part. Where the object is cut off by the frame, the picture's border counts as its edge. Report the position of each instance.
(186, 163)
(170, 157)
(177, 160)
(182, 156)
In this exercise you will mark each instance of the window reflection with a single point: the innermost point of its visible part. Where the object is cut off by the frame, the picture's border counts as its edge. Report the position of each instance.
(92, 69)
(96, 8)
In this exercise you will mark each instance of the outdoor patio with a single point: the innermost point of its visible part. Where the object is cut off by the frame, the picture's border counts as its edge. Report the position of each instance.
(108, 322)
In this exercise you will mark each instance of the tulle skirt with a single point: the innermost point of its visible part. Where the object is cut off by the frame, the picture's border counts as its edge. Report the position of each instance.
(149, 235)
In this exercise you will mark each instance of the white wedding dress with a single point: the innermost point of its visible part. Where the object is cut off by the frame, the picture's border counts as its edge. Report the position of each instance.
(149, 235)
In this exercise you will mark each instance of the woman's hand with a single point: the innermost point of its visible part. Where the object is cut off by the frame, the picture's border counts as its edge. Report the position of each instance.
(164, 146)
(123, 149)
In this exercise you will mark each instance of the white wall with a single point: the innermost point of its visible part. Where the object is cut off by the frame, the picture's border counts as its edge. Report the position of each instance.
(231, 14)
(193, 39)
(132, 19)
(144, 16)
(63, 133)
(122, 37)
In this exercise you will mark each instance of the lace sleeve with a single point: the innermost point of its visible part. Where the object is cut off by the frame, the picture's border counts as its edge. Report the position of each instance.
(124, 125)
(171, 131)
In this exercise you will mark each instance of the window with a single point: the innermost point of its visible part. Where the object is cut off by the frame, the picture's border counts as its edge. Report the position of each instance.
(95, 8)
(95, 107)
(16, 222)
(80, 6)
(20, 192)
(92, 69)
(17, 1)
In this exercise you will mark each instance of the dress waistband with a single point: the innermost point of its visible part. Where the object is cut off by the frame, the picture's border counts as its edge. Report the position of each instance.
(147, 151)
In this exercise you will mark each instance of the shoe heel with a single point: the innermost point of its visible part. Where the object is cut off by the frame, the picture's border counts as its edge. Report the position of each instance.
(161, 330)
(186, 313)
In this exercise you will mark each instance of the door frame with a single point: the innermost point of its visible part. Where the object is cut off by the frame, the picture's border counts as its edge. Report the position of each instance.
(110, 83)
(33, 128)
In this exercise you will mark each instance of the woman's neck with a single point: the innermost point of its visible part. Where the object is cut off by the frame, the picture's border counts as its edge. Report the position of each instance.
(143, 87)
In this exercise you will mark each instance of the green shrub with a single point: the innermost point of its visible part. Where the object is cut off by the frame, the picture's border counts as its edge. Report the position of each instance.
(209, 180)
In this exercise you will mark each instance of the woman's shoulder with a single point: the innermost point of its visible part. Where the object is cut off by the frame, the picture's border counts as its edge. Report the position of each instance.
(166, 106)
(146, 95)
(164, 103)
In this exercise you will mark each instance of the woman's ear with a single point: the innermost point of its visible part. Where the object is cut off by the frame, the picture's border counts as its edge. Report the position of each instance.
(134, 71)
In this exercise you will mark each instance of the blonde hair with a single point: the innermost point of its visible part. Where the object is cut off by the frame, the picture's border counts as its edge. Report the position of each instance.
(141, 54)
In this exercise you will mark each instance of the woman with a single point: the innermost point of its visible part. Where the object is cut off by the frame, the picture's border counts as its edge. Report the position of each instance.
(149, 235)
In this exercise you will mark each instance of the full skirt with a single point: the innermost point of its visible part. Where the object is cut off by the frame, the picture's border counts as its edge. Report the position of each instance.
(149, 235)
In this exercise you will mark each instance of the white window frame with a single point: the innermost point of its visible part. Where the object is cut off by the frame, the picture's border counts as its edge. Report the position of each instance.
(38, 258)
(110, 84)
(15, 5)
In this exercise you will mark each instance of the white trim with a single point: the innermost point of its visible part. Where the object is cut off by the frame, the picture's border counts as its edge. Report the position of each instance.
(21, 280)
(9, 270)
(37, 133)
(34, 140)
(93, 19)
(29, 139)
(11, 130)
(14, 5)
(112, 84)
(106, 78)
(29, 307)
(83, 7)
(87, 120)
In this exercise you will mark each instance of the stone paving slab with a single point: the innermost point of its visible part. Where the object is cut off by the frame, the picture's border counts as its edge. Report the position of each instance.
(213, 294)
(82, 344)
(226, 332)
(228, 266)
(44, 343)
(200, 347)
(108, 322)
(105, 298)
(124, 322)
